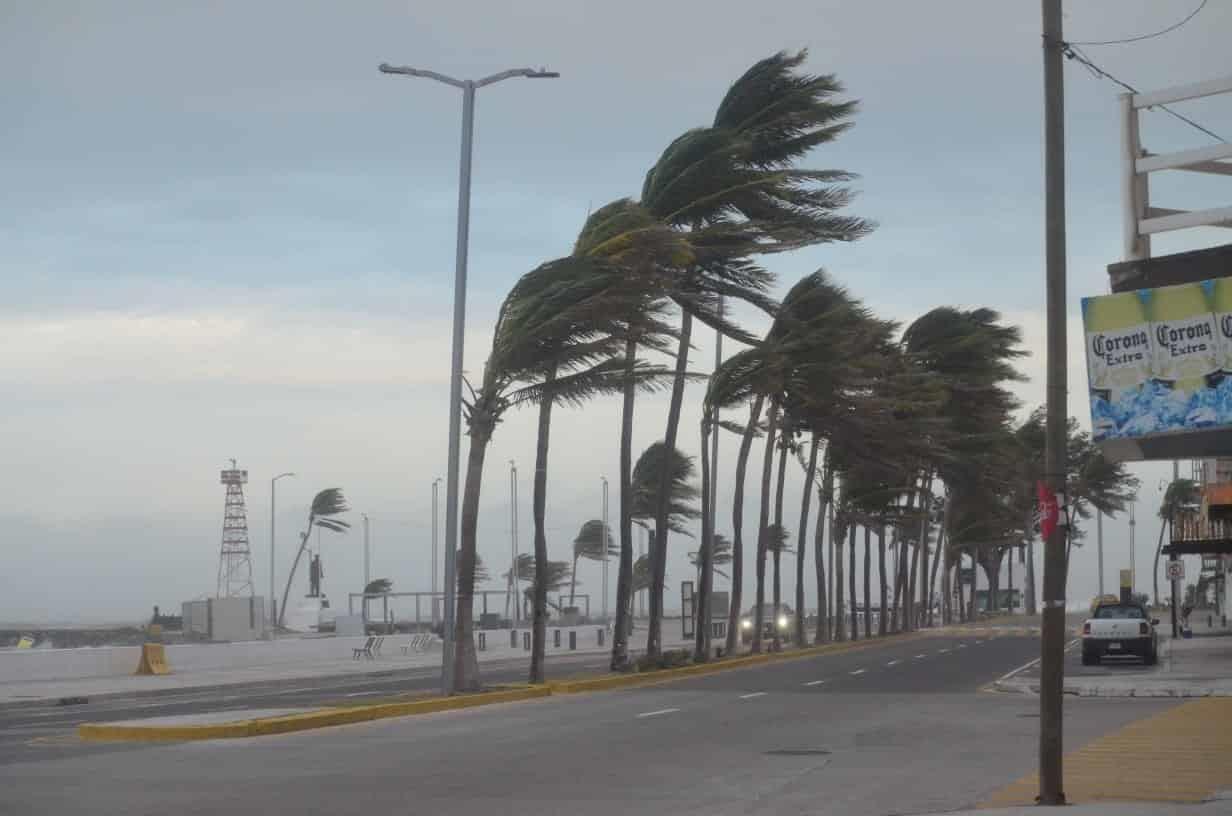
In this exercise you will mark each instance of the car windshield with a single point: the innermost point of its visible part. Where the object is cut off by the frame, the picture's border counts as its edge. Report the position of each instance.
(1119, 612)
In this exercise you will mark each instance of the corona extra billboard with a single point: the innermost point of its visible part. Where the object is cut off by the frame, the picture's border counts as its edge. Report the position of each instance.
(1159, 361)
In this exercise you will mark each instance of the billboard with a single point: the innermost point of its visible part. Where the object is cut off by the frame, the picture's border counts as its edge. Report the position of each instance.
(1159, 361)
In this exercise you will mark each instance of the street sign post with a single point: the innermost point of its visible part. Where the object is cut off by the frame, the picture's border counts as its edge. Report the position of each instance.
(1176, 570)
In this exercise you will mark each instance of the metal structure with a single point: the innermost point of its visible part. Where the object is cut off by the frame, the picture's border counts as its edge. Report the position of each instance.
(604, 544)
(436, 483)
(235, 555)
(513, 541)
(1141, 220)
(468, 88)
(273, 538)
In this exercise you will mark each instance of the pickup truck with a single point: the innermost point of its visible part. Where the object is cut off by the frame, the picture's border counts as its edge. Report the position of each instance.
(1119, 630)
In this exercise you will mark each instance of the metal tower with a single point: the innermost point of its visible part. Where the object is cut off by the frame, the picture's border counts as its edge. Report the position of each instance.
(235, 557)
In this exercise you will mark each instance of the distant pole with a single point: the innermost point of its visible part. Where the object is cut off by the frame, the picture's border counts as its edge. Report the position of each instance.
(1133, 553)
(1099, 543)
(714, 441)
(604, 545)
(1052, 640)
(641, 553)
(513, 538)
(435, 573)
(273, 538)
(468, 88)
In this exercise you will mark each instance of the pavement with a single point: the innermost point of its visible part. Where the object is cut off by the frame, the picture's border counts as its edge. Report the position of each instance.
(901, 726)
(1200, 666)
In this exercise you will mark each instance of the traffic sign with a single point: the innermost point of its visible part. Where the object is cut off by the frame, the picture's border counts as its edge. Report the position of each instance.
(1176, 570)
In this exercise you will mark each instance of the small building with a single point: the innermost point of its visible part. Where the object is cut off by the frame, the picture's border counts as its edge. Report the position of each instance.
(225, 619)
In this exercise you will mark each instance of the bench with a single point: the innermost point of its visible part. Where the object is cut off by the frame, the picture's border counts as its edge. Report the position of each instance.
(365, 650)
(418, 643)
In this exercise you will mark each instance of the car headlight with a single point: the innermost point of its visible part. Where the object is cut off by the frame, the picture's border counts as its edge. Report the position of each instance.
(782, 621)
(746, 624)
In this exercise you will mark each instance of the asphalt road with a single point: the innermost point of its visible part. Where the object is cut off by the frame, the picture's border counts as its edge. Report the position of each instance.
(39, 731)
(1108, 667)
(900, 727)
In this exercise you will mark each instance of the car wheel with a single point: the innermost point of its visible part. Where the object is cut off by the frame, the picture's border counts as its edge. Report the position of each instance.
(1151, 657)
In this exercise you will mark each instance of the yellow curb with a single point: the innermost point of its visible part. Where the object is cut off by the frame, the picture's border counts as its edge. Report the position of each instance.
(1178, 755)
(603, 683)
(302, 722)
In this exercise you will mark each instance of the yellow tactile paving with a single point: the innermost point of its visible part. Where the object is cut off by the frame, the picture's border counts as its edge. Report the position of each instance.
(1183, 754)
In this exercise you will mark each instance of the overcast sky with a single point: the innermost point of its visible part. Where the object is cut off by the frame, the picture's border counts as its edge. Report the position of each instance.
(224, 234)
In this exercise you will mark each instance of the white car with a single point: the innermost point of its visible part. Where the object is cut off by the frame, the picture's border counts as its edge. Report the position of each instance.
(1119, 630)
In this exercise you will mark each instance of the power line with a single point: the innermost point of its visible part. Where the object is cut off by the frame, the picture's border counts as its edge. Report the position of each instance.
(1159, 33)
(1075, 54)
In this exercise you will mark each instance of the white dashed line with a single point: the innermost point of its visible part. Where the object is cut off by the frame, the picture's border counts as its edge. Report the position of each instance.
(962, 645)
(659, 712)
(296, 691)
(857, 671)
(814, 682)
(751, 696)
(893, 663)
(942, 651)
(361, 693)
(920, 656)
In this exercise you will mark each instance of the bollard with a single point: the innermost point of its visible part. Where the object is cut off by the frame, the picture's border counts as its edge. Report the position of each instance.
(513, 638)
(601, 636)
(483, 641)
(572, 641)
(556, 638)
(1210, 621)
(526, 641)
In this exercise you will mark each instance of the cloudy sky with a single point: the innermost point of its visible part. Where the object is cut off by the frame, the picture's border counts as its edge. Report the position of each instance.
(224, 234)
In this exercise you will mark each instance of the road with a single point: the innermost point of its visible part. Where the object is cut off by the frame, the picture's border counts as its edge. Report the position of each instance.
(902, 726)
(43, 730)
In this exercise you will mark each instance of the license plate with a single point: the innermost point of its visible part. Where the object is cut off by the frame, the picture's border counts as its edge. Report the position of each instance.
(1114, 645)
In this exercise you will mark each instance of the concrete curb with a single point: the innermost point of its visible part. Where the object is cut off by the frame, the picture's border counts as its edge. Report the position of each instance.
(325, 718)
(1017, 686)
(303, 722)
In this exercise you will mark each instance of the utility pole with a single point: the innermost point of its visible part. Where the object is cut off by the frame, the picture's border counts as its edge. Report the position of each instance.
(513, 539)
(1099, 543)
(468, 88)
(1052, 640)
(367, 566)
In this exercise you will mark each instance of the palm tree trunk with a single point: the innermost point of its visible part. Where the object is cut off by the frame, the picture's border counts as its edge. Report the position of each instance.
(851, 580)
(881, 576)
(303, 542)
(737, 577)
(1029, 595)
(763, 520)
(701, 644)
(962, 592)
(819, 555)
(778, 548)
(909, 607)
(624, 573)
(573, 579)
(838, 534)
(540, 584)
(654, 635)
(868, 580)
(932, 581)
(1159, 548)
(801, 544)
(896, 553)
(465, 660)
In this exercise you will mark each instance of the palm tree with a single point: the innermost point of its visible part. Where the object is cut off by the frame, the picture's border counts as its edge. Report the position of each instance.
(593, 543)
(735, 189)
(721, 553)
(1180, 495)
(323, 514)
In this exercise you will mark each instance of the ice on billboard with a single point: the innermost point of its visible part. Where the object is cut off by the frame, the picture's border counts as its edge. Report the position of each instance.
(1119, 358)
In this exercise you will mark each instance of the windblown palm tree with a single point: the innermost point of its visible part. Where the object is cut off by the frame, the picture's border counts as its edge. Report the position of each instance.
(323, 514)
(593, 543)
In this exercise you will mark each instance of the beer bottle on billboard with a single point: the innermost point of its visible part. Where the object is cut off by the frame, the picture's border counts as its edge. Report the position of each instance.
(1185, 349)
(1119, 358)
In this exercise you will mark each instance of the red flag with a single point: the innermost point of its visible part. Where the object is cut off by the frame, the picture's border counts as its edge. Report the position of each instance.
(1048, 510)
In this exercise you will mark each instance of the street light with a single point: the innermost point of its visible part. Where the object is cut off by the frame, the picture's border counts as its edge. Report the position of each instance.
(435, 510)
(468, 87)
(367, 567)
(273, 613)
(604, 545)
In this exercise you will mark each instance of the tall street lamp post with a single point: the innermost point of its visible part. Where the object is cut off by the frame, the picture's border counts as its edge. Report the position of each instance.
(272, 612)
(468, 87)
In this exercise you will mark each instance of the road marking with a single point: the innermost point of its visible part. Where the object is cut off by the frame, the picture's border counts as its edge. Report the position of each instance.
(361, 693)
(659, 712)
(751, 696)
(857, 671)
(814, 682)
(920, 656)
(296, 690)
(942, 651)
(893, 663)
(962, 645)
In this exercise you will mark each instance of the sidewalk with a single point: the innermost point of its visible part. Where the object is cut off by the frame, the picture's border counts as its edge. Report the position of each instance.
(1200, 666)
(391, 661)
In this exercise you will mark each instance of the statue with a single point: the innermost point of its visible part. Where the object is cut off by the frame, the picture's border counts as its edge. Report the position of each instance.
(315, 574)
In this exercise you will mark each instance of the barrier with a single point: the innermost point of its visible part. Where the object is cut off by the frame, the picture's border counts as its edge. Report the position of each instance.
(556, 638)
(483, 641)
(526, 641)
(153, 660)
(513, 638)
(601, 634)
(573, 641)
